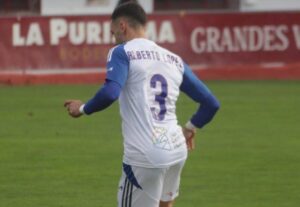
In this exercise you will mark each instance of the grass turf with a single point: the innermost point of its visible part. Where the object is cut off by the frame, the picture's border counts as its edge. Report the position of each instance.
(248, 156)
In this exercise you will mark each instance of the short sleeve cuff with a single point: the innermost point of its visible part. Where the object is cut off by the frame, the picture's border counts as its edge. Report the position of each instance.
(190, 125)
(81, 109)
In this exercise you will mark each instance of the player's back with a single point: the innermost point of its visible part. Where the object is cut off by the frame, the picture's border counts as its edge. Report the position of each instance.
(152, 137)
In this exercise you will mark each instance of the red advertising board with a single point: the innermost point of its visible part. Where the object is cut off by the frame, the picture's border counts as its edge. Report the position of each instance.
(203, 40)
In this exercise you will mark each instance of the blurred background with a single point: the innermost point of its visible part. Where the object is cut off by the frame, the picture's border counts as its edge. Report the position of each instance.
(221, 39)
(61, 7)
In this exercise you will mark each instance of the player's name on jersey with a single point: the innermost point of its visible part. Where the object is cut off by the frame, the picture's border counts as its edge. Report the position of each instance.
(153, 55)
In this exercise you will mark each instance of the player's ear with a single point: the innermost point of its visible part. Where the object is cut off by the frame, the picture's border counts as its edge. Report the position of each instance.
(123, 25)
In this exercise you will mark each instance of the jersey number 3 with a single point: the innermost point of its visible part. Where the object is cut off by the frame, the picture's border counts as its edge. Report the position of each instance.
(160, 98)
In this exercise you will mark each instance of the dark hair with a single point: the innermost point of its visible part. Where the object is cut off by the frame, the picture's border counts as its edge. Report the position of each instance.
(133, 11)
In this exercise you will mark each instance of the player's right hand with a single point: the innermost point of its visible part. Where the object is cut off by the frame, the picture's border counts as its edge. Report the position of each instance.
(73, 107)
(189, 135)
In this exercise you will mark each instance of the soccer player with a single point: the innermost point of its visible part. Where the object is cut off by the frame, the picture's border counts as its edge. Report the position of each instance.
(147, 80)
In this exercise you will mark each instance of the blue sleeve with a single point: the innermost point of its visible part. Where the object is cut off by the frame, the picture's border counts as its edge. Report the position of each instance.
(197, 90)
(117, 65)
(116, 76)
(108, 93)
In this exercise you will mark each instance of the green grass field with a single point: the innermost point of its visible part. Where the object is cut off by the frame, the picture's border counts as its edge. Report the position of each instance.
(249, 156)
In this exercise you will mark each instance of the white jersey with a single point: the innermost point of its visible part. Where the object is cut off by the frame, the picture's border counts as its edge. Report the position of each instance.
(152, 136)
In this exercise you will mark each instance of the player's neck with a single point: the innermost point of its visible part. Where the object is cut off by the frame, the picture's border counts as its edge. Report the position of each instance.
(138, 33)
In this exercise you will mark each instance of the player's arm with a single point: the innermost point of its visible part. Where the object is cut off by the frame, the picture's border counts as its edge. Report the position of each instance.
(199, 92)
(117, 72)
(108, 93)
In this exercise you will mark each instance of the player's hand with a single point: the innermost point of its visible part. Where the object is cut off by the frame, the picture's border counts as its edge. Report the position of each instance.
(189, 135)
(73, 107)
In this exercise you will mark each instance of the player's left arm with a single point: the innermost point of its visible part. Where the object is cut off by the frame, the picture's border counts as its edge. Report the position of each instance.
(200, 93)
(117, 73)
